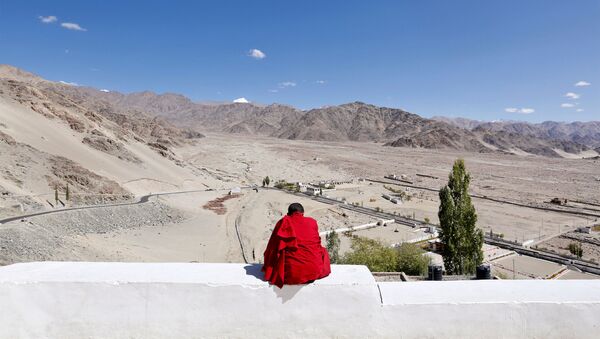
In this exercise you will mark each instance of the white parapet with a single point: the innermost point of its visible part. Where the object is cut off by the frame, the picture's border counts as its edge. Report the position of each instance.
(135, 300)
(175, 300)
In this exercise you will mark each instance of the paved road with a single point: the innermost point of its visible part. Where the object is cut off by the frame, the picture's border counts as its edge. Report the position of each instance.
(557, 258)
(141, 200)
(360, 209)
(483, 197)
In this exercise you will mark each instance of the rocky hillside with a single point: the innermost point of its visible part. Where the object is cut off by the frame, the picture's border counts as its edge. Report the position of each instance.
(362, 122)
(88, 114)
(244, 118)
(584, 133)
(53, 134)
(143, 116)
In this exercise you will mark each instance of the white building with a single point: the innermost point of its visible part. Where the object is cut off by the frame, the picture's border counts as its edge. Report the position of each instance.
(312, 190)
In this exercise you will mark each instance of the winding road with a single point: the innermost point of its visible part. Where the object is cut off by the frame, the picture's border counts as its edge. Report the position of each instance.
(141, 200)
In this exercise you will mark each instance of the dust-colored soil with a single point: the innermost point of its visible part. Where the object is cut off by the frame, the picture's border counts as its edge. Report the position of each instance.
(226, 161)
(590, 244)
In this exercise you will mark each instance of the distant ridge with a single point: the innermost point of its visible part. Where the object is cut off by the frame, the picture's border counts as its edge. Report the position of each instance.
(356, 121)
(585, 133)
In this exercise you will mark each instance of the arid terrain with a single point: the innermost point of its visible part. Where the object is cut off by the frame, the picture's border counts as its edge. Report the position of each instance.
(199, 234)
(115, 153)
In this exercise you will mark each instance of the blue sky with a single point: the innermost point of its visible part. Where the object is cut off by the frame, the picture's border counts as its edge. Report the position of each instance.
(477, 59)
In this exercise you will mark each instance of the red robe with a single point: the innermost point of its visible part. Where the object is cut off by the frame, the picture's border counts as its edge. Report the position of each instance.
(294, 254)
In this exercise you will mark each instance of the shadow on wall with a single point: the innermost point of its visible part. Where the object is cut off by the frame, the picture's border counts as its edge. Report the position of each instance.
(285, 294)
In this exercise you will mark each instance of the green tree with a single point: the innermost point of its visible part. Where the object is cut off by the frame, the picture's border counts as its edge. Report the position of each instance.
(56, 195)
(411, 259)
(266, 181)
(576, 249)
(372, 253)
(333, 246)
(67, 193)
(462, 240)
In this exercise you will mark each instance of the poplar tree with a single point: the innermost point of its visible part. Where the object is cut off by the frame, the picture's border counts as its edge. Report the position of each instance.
(462, 240)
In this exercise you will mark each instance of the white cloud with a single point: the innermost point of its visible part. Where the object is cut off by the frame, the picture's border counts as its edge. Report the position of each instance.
(47, 19)
(579, 110)
(567, 105)
(572, 95)
(104, 90)
(320, 82)
(69, 83)
(72, 26)
(273, 90)
(257, 54)
(287, 84)
(582, 83)
(526, 110)
(519, 110)
(241, 101)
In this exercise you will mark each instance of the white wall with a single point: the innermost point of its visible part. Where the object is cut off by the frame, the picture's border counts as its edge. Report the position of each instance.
(135, 300)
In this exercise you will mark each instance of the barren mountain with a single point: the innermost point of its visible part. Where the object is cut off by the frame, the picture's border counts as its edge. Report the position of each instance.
(142, 116)
(84, 111)
(52, 134)
(362, 122)
(515, 142)
(459, 122)
(245, 118)
(585, 133)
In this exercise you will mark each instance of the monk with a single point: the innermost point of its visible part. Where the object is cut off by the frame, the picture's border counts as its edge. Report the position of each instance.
(294, 254)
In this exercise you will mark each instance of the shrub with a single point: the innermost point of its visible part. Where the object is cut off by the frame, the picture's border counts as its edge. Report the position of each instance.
(575, 249)
(282, 184)
(373, 254)
(411, 259)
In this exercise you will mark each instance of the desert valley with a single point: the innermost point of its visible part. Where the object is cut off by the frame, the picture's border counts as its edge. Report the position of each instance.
(94, 175)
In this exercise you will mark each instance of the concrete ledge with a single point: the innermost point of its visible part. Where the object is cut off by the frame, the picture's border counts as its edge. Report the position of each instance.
(128, 300)
(494, 308)
(135, 300)
(205, 273)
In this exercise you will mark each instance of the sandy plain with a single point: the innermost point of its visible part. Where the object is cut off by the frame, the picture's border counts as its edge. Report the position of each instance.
(222, 161)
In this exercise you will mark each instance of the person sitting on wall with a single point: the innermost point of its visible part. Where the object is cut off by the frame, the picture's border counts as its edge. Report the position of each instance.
(294, 254)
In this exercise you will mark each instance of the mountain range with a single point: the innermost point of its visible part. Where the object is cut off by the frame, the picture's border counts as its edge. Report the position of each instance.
(585, 133)
(167, 119)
